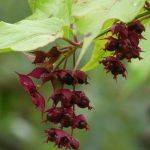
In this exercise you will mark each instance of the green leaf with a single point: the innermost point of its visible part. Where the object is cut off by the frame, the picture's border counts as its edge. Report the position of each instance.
(97, 55)
(90, 15)
(29, 34)
(32, 4)
(51, 8)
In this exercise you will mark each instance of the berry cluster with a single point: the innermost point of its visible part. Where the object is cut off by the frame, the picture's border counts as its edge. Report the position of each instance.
(61, 139)
(124, 45)
(62, 110)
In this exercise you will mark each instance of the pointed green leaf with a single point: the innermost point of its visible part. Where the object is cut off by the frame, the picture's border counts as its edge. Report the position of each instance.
(49, 8)
(91, 13)
(97, 55)
(29, 34)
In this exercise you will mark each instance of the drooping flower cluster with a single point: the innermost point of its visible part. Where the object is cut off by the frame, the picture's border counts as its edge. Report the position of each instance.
(68, 98)
(124, 45)
(61, 139)
(62, 110)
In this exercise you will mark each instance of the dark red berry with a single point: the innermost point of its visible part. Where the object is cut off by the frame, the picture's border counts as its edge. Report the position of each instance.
(80, 122)
(80, 76)
(112, 44)
(136, 26)
(62, 139)
(65, 76)
(71, 77)
(127, 50)
(74, 144)
(42, 57)
(134, 38)
(64, 96)
(113, 65)
(120, 30)
(52, 136)
(68, 117)
(81, 100)
(55, 114)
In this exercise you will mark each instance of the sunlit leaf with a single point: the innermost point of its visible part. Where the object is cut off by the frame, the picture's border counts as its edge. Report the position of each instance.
(97, 55)
(49, 8)
(29, 34)
(91, 13)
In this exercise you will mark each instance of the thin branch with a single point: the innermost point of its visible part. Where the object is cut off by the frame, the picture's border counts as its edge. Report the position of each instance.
(142, 14)
(76, 44)
(144, 17)
(103, 32)
(60, 62)
(141, 17)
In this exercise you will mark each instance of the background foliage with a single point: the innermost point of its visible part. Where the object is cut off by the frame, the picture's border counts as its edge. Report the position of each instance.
(120, 120)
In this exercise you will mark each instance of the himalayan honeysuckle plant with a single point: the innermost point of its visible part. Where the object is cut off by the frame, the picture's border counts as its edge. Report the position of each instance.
(112, 28)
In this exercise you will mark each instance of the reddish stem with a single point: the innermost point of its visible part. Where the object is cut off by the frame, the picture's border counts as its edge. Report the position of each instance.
(76, 44)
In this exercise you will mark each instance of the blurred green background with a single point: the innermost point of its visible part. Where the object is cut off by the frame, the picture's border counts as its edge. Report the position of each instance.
(120, 120)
